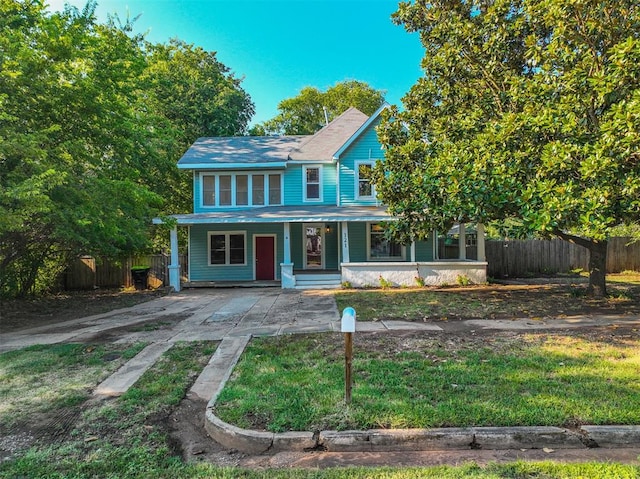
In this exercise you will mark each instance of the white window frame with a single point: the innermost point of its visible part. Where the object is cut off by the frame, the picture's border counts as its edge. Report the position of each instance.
(358, 196)
(267, 189)
(402, 257)
(249, 174)
(227, 252)
(304, 184)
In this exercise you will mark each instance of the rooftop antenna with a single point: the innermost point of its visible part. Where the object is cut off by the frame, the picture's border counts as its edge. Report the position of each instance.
(326, 116)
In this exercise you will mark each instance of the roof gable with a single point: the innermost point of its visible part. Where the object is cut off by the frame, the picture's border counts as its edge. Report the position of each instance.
(360, 131)
(324, 144)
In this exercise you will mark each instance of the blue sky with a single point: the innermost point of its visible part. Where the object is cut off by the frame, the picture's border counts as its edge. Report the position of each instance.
(280, 46)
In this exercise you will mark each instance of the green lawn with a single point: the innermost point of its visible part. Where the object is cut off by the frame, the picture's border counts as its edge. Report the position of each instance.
(127, 438)
(296, 382)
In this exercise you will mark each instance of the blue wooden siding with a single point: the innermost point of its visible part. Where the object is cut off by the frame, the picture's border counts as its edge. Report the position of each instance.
(296, 246)
(199, 270)
(364, 149)
(357, 242)
(424, 250)
(294, 184)
(331, 247)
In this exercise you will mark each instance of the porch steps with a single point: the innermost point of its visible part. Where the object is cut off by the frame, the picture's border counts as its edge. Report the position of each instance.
(318, 281)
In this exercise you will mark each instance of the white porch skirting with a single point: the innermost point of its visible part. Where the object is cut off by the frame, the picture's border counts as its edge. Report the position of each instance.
(434, 273)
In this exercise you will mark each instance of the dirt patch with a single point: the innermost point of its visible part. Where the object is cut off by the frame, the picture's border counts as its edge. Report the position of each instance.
(186, 428)
(489, 302)
(28, 313)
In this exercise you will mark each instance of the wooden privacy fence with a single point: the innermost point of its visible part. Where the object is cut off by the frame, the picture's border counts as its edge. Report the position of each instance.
(531, 257)
(87, 272)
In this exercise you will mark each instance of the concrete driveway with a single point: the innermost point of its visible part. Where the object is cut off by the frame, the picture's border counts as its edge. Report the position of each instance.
(197, 314)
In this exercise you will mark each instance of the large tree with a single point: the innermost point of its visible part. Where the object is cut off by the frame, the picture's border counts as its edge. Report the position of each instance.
(528, 109)
(304, 114)
(89, 135)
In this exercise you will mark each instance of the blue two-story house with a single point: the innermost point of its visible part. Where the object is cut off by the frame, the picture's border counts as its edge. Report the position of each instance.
(300, 211)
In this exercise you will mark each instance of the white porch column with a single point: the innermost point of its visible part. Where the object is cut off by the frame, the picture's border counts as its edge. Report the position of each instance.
(462, 242)
(482, 256)
(287, 278)
(412, 254)
(435, 245)
(287, 243)
(174, 267)
(345, 242)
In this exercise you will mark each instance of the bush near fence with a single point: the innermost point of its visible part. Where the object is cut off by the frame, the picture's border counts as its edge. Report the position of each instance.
(518, 258)
(87, 272)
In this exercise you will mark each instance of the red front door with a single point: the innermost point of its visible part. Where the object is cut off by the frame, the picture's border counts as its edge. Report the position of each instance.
(265, 260)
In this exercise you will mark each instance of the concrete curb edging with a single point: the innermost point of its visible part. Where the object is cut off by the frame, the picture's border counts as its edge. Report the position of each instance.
(388, 440)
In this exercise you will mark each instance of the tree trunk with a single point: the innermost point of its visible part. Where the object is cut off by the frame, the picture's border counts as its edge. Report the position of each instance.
(597, 262)
(597, 269)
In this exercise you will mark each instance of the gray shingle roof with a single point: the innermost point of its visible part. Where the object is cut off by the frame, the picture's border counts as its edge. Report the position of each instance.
(215, 152)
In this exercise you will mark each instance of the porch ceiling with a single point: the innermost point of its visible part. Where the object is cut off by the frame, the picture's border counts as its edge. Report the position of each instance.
(284, 214)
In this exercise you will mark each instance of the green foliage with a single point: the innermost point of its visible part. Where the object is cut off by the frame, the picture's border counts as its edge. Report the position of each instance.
(528, 109)
(92, 121)
(463, 280)
(304, 114)
(385, 283)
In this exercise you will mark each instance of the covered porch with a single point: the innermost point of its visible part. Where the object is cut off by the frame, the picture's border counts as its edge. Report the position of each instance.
(352, 250)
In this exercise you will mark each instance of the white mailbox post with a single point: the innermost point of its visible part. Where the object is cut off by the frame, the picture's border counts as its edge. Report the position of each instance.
(348, 327)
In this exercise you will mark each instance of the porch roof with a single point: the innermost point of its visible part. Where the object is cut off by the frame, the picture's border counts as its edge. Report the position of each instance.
(286, 214)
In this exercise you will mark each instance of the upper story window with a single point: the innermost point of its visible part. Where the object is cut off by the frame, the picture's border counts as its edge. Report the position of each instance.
(275, 189)
(382, 249)
(312, 183)
(230, 189)
(365, 189)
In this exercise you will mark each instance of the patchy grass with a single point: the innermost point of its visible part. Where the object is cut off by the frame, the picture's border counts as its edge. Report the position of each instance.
(126, 438)
(40, 378)
(506, 379)
(487, 302)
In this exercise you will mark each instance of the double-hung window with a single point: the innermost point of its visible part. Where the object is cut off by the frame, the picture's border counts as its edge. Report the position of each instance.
(312, 183)
(275, 189)
(227, 248)
(381, 248)
(231, 189)
(365, 189)
(209, 190)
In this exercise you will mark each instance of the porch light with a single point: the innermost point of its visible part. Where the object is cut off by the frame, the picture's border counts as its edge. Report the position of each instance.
(327, 229)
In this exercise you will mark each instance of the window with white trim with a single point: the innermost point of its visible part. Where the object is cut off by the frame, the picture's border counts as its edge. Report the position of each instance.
(257, 190)
(364, 187)
(275, 189)
(225, 190)
(231, 189)
(209, 190)
(227, 248)
(312, 183)
(380, 248)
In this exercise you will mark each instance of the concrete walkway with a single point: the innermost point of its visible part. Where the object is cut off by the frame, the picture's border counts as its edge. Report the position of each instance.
(233, 316)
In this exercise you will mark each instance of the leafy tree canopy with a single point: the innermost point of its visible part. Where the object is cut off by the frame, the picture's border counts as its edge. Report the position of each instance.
(528, 109)
(89, 135)
(304, 114)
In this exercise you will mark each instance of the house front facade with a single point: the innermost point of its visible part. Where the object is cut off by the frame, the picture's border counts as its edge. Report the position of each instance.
(300, 211)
